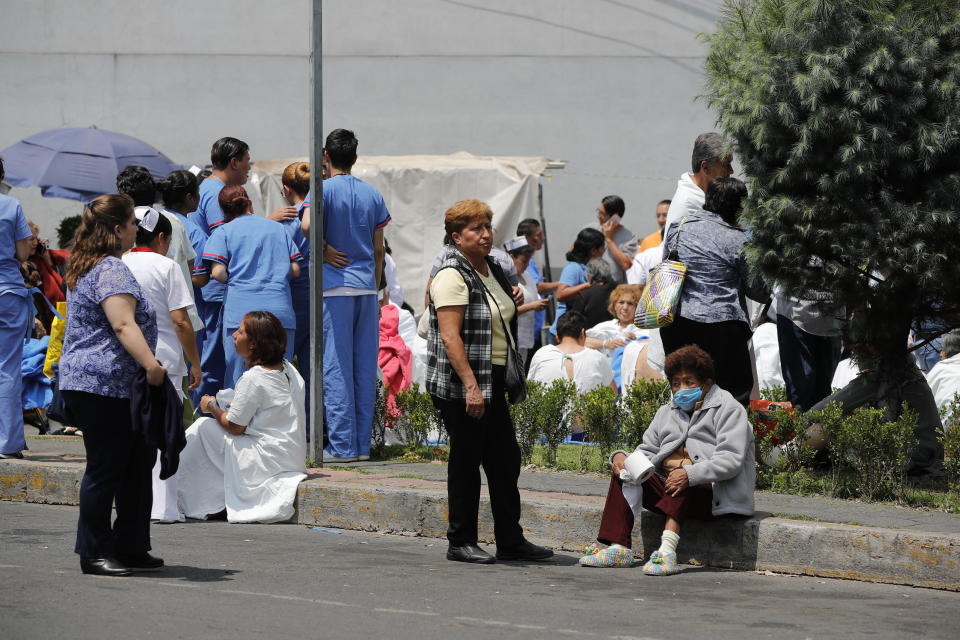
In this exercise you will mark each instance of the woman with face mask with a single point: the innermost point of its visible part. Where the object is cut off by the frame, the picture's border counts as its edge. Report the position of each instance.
(700, 446)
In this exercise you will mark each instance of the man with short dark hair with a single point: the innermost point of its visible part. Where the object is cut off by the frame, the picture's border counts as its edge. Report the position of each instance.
(711, 159)
(621, 243)
(531, 229)
(656, 238)
(354, 215)
(231, 166)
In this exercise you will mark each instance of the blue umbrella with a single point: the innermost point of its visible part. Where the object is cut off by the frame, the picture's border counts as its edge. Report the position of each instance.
(79, 163)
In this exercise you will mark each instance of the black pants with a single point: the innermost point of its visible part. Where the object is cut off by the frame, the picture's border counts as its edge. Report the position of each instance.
(491, 442)
(726, 343)
(119, 464)
(807, 362)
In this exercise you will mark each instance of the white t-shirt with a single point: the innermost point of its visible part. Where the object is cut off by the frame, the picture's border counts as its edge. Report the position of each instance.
(642, 263)
(591, 368)
(766, 348)
(181, 251)
(688, 198)
(163, 285)
(944, 381)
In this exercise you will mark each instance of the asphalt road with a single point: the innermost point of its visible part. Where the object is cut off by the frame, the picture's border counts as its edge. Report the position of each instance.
(289, 581)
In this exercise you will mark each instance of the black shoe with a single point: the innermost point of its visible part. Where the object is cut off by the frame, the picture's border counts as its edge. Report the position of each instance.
(140, 560)
(12, 456)
(103, 567)
(469, 553)
(525, 551)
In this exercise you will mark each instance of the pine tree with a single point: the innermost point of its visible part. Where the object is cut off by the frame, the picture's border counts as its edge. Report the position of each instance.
(845, 115)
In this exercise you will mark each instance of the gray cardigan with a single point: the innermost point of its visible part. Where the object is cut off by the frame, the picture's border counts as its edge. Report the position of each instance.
(719, 439)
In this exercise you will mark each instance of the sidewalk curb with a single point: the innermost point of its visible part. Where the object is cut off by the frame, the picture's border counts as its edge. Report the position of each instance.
(870, 554)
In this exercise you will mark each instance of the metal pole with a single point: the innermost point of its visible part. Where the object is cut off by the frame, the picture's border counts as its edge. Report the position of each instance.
(316, 233)
(547, 276)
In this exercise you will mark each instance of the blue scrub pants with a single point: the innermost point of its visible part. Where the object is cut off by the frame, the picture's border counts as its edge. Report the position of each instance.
(14, 314)
(351, 340)
(212, 361)
(301, 348)
(235, 366)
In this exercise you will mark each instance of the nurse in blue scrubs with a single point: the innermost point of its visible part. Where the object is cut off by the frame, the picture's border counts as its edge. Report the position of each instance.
(354, 216)
(296, 187)
(230, 159)
(256, 259)
(15, 307)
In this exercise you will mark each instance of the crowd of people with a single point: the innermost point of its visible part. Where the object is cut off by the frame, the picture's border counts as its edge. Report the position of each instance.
(175, 288)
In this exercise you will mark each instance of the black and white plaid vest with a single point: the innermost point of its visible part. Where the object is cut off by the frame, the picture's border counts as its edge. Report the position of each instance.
(477, 334)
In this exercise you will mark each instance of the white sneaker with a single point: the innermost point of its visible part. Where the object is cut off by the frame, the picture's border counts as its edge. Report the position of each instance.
(363, 458)
(328, 457)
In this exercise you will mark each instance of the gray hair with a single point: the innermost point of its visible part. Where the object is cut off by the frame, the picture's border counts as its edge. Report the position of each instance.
(598, 270)
(950, 346)
(709, 148)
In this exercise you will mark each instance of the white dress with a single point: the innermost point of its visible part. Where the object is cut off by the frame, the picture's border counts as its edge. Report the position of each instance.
(254, 475)
(591, 368)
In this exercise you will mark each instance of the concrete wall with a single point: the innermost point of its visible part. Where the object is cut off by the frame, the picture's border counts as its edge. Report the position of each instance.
(607, 85)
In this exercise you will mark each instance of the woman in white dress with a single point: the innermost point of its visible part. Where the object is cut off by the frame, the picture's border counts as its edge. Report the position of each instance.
(610, 334)
(249, 457)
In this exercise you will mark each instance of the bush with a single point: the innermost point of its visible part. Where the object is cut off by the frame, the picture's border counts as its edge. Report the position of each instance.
(418, 416)
(378, 432)
(775, 394)
(870, 454)
(554, 413)
(640, 402)
(600, 415)
(526, 422)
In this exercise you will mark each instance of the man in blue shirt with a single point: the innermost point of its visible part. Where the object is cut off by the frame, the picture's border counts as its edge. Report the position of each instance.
(231, 166)
(354, 215)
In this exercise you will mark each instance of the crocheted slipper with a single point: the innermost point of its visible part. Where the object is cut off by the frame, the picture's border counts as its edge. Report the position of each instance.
(661, 564)
(609, 557)
(593, 547)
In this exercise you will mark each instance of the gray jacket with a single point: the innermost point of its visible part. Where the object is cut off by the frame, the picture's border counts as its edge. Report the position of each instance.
(719, 439)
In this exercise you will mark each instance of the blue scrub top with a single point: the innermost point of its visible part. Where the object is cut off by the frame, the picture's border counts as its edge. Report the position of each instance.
(352, 213)
(257, 253)
(573, 274)
(13, 228)
(300, 286)
(209, 217)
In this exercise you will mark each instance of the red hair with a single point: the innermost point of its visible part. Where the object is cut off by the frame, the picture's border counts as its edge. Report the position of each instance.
(234, 202)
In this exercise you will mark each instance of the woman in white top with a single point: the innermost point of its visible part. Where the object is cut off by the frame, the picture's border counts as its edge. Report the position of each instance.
(163, 285)
(610, 334)
(250, 456)
(521, 252)
(570, 359)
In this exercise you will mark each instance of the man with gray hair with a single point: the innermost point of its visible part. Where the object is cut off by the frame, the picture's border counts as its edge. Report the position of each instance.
(711, 159)
(944, 377)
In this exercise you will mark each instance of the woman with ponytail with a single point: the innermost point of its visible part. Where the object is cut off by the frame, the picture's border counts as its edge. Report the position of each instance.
(256, 258)
(111, 332)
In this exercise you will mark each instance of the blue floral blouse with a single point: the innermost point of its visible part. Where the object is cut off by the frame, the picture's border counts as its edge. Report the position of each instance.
(93, 360)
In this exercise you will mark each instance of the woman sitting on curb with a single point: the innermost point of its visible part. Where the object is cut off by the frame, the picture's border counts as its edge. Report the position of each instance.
(702, 451)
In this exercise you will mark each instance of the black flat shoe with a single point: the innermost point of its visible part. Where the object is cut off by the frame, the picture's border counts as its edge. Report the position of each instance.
(103, 567)
(12, 456)
(469, 553)
(526, 551)
(140, 560)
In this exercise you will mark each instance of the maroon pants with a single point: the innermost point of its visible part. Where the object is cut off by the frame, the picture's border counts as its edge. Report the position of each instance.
(617, 523)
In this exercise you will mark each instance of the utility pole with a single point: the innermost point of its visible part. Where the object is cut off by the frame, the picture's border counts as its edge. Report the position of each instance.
(316, 232)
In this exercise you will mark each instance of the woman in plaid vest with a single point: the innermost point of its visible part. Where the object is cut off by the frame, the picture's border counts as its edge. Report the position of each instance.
(472, 338)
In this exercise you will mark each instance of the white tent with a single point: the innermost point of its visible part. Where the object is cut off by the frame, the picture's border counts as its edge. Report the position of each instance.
(419, 189)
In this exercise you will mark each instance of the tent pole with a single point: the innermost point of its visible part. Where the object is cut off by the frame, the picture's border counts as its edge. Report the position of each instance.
(316, 234)
(547, 276)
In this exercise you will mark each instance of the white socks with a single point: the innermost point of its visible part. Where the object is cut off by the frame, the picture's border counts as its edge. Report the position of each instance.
(669, 541)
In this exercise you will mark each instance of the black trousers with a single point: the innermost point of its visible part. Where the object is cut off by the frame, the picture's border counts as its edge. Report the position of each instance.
(119, 464)
(807, 362)
(726, 342)
(492, 443)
